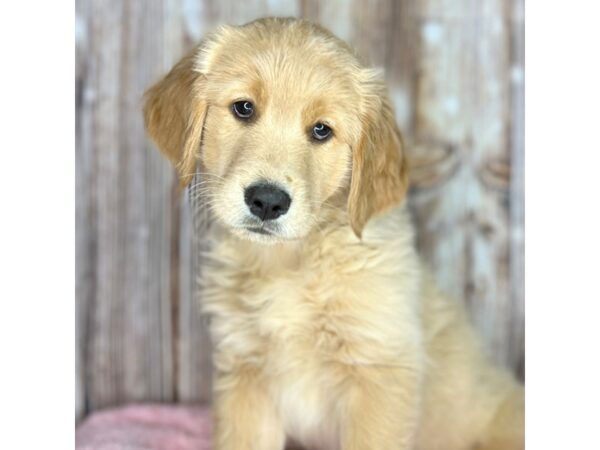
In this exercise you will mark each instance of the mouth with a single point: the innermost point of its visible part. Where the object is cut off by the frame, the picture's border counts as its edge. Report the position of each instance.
(262, 234)
(259, 231)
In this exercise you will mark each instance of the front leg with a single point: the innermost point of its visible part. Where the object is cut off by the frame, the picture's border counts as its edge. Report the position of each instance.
(245, 418)
(382, 409)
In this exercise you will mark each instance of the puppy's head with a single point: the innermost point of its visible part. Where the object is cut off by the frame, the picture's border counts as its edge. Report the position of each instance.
(281, 117)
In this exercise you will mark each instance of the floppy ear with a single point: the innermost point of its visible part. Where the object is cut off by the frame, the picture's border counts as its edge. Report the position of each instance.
(379, 168)
(174, 111)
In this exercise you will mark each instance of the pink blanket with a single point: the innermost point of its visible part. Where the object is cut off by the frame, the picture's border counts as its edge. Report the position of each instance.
(149, 426)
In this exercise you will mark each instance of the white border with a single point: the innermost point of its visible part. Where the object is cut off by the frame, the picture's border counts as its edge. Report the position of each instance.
(37, 225)
(562, 224)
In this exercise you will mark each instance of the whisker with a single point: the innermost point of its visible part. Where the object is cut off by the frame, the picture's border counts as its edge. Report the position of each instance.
(207, 174)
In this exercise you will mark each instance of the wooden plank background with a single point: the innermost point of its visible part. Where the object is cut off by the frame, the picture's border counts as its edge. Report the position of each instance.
(455, 70)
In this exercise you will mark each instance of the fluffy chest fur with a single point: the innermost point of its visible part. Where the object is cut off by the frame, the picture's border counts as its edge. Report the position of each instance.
(305, 314)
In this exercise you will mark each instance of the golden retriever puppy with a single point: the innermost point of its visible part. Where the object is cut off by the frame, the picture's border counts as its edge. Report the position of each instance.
(327, 332)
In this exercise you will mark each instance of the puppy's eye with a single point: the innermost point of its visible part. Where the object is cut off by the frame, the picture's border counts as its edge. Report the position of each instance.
(321, 132)
(243, 109)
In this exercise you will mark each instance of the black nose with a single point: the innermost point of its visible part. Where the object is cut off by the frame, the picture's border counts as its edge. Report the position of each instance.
(266, 201)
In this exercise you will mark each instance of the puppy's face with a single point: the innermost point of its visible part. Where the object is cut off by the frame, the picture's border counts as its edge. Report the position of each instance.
(281, 117)
(278, 133)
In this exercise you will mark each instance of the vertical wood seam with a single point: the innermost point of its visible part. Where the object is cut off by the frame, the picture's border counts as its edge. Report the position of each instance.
(174, 286)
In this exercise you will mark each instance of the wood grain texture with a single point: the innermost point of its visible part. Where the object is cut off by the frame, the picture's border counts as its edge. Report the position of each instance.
(455, 73)
(84, 213)
(516, 299)
(128, 337)
(462, 155)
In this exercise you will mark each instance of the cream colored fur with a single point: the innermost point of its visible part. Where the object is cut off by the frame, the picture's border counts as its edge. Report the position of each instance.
(328, 332)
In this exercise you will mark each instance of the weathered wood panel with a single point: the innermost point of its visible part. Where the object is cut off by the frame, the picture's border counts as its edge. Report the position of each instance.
(84, 238)
(461, 130)
(516, 299)
(127, 188)
(455, 74)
